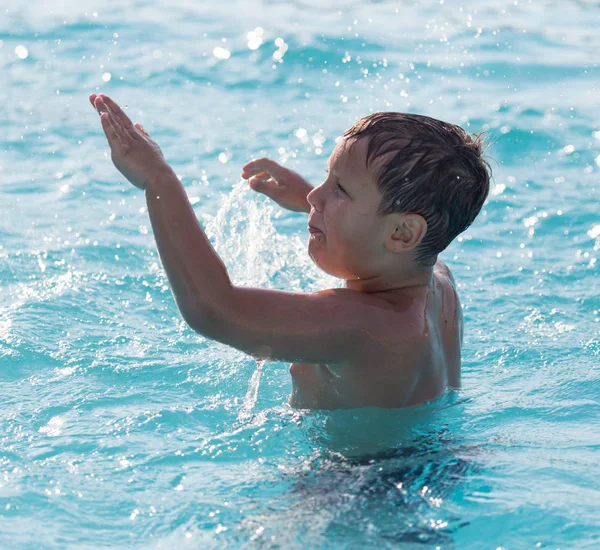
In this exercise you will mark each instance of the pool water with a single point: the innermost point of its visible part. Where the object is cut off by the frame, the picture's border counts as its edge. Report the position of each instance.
(122, 428)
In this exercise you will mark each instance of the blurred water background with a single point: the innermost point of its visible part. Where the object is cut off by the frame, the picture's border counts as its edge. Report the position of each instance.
(121, 428)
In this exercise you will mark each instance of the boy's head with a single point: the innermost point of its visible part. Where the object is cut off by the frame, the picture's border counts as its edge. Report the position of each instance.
(397, 183)
(428, 167)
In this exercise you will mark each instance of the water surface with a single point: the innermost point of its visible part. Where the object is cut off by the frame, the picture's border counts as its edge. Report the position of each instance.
(123, 428)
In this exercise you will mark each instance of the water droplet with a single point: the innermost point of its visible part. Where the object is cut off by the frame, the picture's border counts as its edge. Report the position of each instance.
(594, 231)
(221, 53)
(300, 133)
(498, 189)
(22, 52)
(255, 38)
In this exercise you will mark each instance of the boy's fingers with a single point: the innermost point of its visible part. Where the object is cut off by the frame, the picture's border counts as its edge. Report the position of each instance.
(261, 165)
(261, 175)
(92, 99)
(100, 105)
(262, 184)
(117, 111)
(254, 167)
(141, 129)
(117, 126)
(111, 134)
(114, 121)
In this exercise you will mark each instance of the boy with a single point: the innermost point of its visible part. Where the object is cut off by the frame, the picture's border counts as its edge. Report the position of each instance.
(399, 189)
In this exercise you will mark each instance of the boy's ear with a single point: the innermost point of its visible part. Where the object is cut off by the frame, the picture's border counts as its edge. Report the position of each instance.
(407, 231)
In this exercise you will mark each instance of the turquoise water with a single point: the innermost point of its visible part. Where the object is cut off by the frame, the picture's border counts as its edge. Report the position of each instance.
(121, 428)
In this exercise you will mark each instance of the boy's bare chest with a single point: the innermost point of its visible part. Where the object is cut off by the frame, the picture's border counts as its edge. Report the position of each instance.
(320, 386)
(312, 386)
(415, 378)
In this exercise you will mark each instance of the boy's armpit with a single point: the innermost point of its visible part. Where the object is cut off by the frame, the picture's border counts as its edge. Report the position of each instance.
(333, 326)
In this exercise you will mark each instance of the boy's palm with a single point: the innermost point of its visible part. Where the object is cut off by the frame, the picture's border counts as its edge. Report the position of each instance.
(286, 187)
(133, 152)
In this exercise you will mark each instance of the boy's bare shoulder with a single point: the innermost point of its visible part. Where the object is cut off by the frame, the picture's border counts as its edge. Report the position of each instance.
(392, 302)
(442, 268)
(394, 317)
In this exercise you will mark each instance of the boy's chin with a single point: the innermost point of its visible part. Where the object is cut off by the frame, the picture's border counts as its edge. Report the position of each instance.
(334, 270)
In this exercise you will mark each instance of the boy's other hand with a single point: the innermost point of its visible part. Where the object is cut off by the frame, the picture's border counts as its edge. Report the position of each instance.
(286, 187)
(133, 152)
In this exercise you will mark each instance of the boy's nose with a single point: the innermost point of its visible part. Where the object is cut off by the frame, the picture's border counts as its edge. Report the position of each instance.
(314, 199)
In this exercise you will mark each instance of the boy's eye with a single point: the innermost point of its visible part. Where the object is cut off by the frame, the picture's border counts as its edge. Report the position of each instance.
(338, 187)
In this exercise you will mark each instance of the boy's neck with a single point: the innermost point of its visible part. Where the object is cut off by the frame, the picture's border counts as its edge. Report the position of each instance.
(393, 281)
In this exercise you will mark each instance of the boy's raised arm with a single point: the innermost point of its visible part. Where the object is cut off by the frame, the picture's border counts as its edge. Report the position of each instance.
(327, 327)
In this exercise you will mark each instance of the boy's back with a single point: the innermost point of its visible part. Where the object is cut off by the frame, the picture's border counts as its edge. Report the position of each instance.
(420, 333)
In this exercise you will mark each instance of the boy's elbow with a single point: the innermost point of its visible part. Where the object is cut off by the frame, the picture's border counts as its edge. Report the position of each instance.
(215, 324)
(202, 318)
(205, 314)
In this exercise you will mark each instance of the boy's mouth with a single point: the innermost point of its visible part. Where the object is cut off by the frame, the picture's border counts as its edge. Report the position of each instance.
(314, 230)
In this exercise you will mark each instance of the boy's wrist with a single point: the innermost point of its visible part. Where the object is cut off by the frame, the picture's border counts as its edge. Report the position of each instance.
(160, 178)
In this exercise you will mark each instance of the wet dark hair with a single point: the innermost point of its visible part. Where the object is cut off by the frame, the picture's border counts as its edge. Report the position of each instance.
(427, 167)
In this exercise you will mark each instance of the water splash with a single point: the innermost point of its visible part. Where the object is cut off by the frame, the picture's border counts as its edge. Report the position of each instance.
(251, 396)
(254, 253)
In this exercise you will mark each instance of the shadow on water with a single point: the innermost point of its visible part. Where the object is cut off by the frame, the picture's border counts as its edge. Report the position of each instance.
(395, 495)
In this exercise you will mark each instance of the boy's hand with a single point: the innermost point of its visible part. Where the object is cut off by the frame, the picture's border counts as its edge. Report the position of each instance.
(285, 187)
(134, 154)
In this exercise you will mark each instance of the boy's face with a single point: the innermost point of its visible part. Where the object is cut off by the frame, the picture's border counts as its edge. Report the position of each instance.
(347, 234)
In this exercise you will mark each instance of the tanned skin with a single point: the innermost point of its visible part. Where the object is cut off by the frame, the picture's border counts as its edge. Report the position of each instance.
(389, 337)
